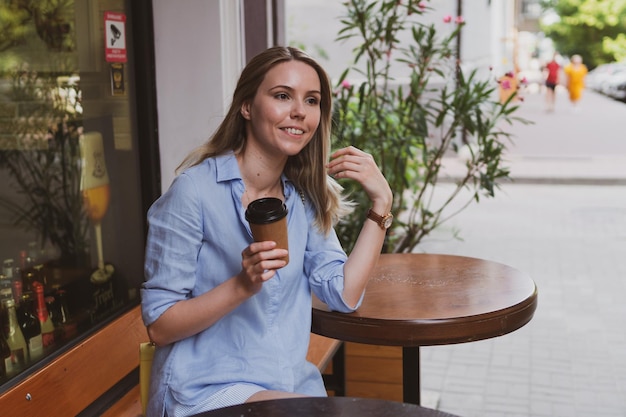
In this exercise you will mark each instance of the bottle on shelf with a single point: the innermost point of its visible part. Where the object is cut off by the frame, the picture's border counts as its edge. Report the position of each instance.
(29, 323)
(66, 322)
(6, 278)
(15, 340)
(47, 327)
(51, 306)
(5, 287)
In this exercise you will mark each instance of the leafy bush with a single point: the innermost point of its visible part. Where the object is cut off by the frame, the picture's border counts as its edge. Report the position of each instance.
(410, 124)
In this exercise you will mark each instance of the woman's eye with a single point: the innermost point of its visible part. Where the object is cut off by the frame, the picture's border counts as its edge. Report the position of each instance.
(312, 101)
(282, 96)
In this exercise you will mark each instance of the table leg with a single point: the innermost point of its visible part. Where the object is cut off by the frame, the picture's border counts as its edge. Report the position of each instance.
(411, 374)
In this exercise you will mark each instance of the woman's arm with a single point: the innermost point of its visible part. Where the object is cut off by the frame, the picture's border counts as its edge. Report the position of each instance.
(355, 164)
(188, 317)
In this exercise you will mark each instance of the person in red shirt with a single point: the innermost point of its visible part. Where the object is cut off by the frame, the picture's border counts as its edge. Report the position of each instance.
(552, 79)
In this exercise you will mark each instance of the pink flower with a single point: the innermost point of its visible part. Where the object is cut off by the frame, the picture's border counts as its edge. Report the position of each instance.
(505, 84)
(421, 5)
(346, 84)
(447, 19)
(459, 20)
(524, 80)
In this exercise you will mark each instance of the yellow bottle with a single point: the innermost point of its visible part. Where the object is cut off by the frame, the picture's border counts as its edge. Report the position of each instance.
(15, 339)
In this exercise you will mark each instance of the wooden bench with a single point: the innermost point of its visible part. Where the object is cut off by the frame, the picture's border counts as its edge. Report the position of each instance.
(321, 351)
(74, 379)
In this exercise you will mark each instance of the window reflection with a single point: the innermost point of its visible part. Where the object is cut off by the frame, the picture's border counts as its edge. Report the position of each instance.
(71, 224)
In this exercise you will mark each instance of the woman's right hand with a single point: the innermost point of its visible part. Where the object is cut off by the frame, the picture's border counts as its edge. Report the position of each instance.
(188, 317)
(259, 263)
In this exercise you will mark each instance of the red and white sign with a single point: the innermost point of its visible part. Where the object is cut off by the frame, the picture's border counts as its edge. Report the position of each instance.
(115, 37)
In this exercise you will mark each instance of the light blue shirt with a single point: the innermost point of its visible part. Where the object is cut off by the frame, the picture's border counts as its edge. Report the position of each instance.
(197, 231)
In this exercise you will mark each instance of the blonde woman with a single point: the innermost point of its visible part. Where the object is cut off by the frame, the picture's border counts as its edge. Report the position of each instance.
(231, 320)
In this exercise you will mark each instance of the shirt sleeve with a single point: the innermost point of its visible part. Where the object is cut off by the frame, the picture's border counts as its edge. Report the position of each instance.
(173, 242)
(323, 264)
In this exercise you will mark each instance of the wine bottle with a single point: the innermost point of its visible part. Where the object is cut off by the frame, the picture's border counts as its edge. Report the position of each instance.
(15, 340)
(6, 278)
(67, 323)
(5, 287)
(47, 327)
(31, 328)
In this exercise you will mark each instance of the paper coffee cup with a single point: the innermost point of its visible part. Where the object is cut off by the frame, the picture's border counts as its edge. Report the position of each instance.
(268, 221)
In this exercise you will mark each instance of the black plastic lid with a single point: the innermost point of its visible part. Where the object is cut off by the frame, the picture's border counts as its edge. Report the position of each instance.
(266, 210)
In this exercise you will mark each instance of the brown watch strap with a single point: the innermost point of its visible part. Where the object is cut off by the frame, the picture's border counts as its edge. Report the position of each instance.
(383, 221)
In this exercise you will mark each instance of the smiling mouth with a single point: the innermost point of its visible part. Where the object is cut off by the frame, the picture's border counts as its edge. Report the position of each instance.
(293, 131)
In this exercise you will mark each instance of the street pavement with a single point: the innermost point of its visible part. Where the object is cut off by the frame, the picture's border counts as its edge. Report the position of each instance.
(562, 219)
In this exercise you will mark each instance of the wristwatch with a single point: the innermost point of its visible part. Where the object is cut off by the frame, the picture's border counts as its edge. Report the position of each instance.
(383, 221)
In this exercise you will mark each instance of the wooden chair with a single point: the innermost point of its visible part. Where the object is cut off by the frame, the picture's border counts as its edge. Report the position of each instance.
(146, 354)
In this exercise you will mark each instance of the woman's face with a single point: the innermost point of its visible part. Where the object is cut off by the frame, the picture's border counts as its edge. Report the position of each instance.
(285, 112)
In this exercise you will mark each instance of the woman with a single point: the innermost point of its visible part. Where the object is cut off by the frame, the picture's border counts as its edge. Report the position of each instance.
(230, 318)
(552, 80)
(576, 72)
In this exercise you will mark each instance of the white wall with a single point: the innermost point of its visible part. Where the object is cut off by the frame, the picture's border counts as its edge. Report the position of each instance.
(198, 59)
(482, 37)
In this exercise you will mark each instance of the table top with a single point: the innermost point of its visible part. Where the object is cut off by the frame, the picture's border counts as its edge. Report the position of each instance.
(429, 299)
(325, 406)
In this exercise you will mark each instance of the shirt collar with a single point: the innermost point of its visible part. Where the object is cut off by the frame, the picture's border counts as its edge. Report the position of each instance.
(228, 170)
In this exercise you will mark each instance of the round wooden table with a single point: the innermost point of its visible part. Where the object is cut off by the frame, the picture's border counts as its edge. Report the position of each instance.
(415, 300)
(325, 406)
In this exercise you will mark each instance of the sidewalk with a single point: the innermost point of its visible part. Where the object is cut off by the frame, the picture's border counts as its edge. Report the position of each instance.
(563, 221)
(582, 147)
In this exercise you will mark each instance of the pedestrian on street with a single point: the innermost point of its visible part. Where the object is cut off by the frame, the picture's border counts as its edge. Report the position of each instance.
(576, 72)
(552, 80)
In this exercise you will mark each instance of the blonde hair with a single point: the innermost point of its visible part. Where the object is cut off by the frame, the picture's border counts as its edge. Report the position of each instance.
(307, 169)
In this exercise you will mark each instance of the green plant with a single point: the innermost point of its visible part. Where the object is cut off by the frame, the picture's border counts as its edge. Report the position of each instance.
(409, 126)
(43, 162)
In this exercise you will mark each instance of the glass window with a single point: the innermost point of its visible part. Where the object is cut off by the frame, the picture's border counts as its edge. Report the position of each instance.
(71, 216)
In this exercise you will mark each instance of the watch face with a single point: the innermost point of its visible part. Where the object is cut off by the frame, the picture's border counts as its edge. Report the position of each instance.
(387, 222)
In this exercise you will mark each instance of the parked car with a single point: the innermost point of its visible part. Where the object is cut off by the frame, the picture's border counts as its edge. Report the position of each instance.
(616, 86)
(601, 77)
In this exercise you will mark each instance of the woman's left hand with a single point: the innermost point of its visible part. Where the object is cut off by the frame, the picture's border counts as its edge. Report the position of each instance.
(360, 166)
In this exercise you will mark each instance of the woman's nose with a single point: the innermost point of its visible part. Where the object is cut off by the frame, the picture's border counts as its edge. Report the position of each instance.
(297, 110)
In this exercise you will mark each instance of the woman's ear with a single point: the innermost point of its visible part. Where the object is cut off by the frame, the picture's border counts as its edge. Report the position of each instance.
(245, 110)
